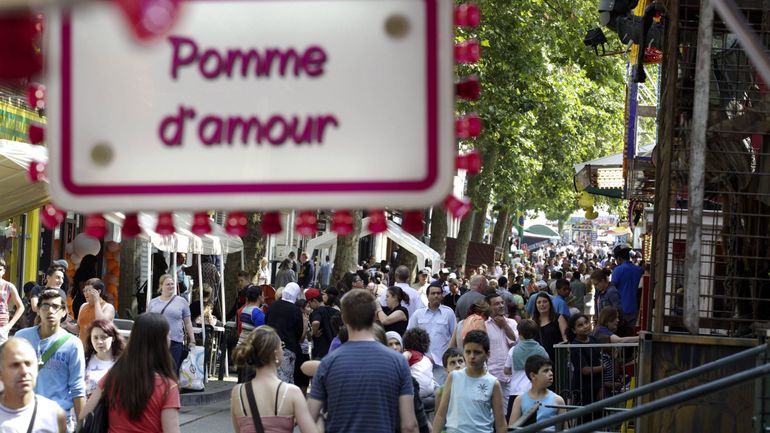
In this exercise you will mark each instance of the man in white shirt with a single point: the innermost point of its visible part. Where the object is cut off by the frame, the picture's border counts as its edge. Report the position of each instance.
(20, 409)
(402, 277)
(439, 322)
(503, 334)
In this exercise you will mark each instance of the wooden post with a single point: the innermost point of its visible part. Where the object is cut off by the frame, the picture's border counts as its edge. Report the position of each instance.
(697, 168)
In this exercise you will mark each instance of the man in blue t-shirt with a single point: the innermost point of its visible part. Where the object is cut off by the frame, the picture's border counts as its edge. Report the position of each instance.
(626, 277)
(61, 358)
(364, 386)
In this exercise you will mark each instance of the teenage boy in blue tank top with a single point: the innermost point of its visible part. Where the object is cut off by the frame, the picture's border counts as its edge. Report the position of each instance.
(472, 401)
(539, 369)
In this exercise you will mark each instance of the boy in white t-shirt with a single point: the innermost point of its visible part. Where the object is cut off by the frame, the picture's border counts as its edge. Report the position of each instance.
(517, 358)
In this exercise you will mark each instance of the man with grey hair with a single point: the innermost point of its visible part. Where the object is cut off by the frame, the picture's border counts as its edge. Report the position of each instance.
(402, 280)
(478, 285)
(20, 409)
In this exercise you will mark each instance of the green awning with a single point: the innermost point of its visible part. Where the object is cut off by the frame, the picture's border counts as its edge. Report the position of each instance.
(541, 230)
(607, 192)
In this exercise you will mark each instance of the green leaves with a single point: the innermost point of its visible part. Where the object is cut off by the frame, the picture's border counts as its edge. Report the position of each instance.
(547, 101)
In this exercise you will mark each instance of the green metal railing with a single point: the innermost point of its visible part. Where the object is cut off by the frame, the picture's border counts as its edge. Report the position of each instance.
(689, 394)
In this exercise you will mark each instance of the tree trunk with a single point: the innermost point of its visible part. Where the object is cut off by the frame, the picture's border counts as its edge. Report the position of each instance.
(253, 250)
(482, 192)
(346, 258)
(406, 258)
(507, 236)
(498, 236)
(438, 230)
(463, 238)
(130, 272)
(479, 223)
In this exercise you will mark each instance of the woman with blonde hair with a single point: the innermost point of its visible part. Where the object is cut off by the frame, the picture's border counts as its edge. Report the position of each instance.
(176, 310)
(263, 273)
(276, 405)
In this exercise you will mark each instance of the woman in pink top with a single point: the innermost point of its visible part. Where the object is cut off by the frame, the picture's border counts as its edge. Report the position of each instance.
(279, 404)
(141, 387)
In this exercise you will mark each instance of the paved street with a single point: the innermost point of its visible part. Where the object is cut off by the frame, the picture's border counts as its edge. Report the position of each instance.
(210, 418)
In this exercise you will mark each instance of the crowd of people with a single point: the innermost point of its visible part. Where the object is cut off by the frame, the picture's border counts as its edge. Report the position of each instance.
(574, 295)
(381, 351)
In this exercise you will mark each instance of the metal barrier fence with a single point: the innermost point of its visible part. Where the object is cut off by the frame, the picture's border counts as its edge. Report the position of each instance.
(666, 402)
(587, 373)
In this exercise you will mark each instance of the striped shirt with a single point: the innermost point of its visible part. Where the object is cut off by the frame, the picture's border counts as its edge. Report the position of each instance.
(360, 384)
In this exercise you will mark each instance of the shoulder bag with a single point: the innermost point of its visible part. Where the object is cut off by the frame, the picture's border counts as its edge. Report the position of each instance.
(255, 417)
(32, 420)
(97, 421)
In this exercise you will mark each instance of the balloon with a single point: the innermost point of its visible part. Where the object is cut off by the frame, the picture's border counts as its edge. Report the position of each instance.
(585, 200)
(84, 245)
(68, 248)
(75, 259)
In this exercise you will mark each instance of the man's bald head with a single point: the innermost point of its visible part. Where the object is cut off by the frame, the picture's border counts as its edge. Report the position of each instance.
(18, 370)
(16, 343)
(478, 283)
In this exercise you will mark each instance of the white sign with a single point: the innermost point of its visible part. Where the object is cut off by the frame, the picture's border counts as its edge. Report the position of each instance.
(254, 104)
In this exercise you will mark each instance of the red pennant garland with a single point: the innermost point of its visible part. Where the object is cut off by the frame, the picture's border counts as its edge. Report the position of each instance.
(165, 226)
(467, 15)
(236, 224)
(342, 223)
(457, 207)
(413, 222)
(36, 96)
(130, 227)
(20, 54)
(36, 172)
(271, 223)
(36, 133)
(150, 18)
(468, 126)
(201, 224)
(470, 162)
(51, 216)
(467, 52)
(96, 226)
(377, 221)
(306, 223)
(469, 88)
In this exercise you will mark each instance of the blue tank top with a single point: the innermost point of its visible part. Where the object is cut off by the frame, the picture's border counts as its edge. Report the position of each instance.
(543, 412)
(470, 404)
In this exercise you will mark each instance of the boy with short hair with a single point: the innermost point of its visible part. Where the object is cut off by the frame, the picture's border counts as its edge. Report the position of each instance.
(517, 357)
(452, 360)
(472, 400)
(539, 370)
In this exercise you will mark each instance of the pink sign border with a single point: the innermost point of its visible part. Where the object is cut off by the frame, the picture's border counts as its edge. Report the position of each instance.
(426, 183)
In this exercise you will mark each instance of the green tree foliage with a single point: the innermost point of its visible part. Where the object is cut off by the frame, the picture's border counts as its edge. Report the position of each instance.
(547, 102)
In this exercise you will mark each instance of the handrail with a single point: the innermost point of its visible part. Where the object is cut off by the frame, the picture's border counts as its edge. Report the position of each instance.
(674, 399)
(644, 389)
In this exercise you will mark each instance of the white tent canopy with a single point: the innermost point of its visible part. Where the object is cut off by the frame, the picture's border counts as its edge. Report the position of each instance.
(19, 194)
(218, 242)
(394, 232)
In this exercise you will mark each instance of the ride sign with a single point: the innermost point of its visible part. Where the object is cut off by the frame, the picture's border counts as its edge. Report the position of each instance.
(253, 104)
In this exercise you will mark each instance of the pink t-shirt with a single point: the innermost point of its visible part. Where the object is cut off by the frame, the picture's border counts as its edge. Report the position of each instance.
(165, 396)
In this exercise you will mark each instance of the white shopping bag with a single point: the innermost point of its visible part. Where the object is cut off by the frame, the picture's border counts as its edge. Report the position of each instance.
(191, 371)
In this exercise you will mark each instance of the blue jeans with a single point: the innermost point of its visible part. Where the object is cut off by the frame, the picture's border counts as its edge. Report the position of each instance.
(177, 349)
